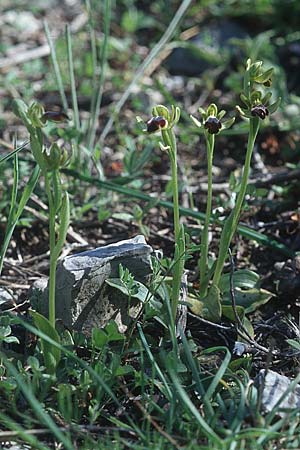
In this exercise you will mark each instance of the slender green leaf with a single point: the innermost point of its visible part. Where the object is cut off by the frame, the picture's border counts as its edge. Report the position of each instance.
(36, 405)
(218, 376)
(128, 192)
(27, 191)
(64, 215)
(209, 432)
(56, 67)
(72, 78)
(13, 152)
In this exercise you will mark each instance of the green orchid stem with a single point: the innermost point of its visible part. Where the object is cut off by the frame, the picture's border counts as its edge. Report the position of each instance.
(229, 230)
(210, 141)
(169, 141)
(53, 257)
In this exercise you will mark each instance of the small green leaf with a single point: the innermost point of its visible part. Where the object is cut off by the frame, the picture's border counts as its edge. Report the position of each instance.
(293, 343)
(99, 338)
(243, 278)
(227, 311)
(51, 354)
(196, 121)
(212, 304)
(272, 108)
(112, 331)
(141, 292)
(250, 299)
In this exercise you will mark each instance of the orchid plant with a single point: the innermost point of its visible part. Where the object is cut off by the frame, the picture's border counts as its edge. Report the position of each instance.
(50, 162)
(163, 121)
(256, 107)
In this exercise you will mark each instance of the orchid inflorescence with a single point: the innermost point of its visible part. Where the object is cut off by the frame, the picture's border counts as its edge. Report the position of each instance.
(256, 108)
(212, 120)
(256, 103)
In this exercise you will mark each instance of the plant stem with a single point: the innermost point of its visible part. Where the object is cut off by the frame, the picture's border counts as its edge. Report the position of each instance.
(53, 259)
(233, 219)
(204, 236)
(52, 278)
(170, 142)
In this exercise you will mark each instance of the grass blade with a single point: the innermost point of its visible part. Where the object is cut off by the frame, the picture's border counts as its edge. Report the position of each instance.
(56, 68)
(36, 405)
(13, 152)
(14, 217)
(242, 230)
(152, 360)
(154, 52)
(209, 432)
(103, 60)
(20, 433)
(84, 365)
(72, 78)
(218, 376)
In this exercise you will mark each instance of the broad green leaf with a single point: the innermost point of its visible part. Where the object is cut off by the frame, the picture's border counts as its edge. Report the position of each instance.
(293, 343)
(212, 304)
(195, 305)
(112, 331)
(245, 279)
(51, 354)
(250, 299)
(247, 324)
(227, 311)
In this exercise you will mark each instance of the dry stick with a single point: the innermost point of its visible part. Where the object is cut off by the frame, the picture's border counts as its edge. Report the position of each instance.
(208, 322)
(240, 329)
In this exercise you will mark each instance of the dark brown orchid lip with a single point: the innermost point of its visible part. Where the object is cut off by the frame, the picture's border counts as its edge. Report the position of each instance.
(213, 125)
(156, 123)
(260, 111)
(55, 116)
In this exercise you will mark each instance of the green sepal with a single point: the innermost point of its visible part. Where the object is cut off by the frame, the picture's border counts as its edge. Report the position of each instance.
(196, 121)
(161, 110)
(272, 108)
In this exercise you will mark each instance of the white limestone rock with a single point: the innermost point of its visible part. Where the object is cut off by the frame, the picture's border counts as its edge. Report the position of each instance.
(83, 299)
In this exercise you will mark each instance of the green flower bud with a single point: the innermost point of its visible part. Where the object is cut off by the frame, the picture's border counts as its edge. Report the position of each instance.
(35, 113)
(56, 158)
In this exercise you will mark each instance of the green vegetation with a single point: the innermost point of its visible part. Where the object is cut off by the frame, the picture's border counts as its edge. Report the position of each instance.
(88, 165)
